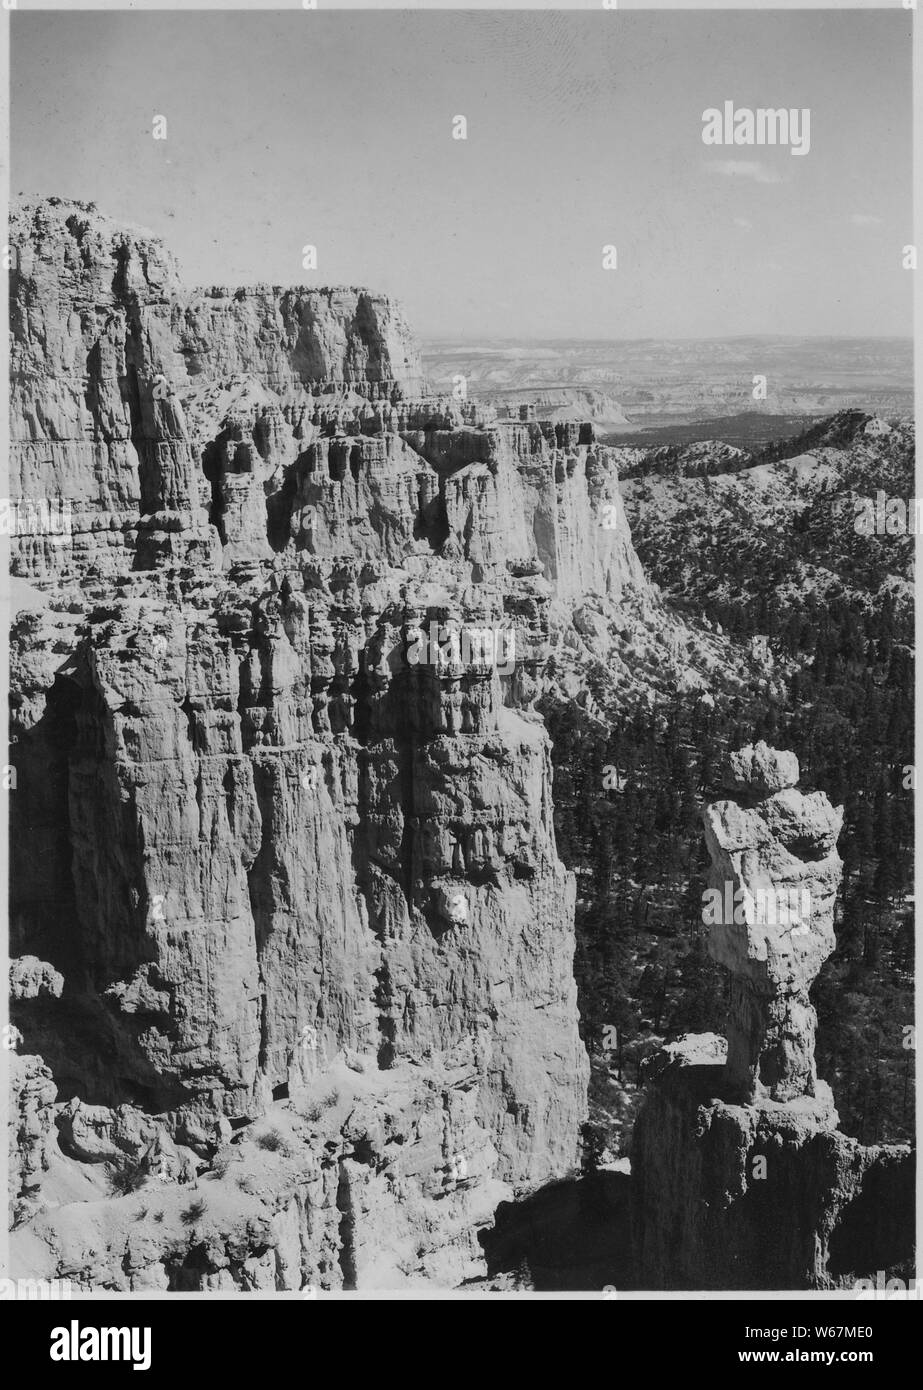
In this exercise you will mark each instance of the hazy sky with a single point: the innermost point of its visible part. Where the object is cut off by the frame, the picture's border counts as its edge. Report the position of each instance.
(583, 130)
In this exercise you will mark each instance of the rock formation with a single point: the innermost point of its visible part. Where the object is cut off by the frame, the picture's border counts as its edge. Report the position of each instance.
(289, 914)
(776, 853)
(741, 1178)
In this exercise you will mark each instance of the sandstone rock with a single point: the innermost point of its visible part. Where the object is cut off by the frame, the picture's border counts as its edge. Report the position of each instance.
(98, 1134)
(778, 863)
(272, 849)
(741, 1178)
(692, 1049)
(760, 1196)
(30, 978)
(761, 769)
(32, 1098)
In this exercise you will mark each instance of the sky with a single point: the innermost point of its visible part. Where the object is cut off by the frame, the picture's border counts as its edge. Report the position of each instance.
(584, 130)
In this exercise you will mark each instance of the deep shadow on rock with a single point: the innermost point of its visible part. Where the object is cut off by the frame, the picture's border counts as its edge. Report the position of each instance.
(574, 1236)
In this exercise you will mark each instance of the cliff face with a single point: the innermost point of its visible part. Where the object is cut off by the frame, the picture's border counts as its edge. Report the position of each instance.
(741, 1177)
(291, 338)
(283, 817)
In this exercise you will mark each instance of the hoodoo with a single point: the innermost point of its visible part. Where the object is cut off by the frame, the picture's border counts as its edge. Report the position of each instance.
(741, 1177)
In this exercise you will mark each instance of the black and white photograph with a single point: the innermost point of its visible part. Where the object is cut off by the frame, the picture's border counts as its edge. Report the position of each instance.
(459, 603)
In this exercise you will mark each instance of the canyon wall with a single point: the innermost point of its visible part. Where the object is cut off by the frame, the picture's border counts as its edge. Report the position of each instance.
(284, 864)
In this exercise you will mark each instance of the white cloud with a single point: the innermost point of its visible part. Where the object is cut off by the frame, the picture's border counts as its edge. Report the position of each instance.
(865, 219)
(743, 222)
(744, 169)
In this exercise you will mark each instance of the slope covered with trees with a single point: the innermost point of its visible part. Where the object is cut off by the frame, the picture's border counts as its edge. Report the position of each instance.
(773, 556)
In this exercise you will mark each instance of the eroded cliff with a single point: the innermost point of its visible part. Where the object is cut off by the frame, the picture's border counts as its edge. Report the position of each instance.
(282, 844)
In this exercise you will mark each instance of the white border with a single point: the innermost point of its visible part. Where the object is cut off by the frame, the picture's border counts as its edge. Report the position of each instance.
(417, 1295)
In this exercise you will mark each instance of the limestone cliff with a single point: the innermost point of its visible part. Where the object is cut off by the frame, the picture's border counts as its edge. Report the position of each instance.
(741, 1177)
(282, 845)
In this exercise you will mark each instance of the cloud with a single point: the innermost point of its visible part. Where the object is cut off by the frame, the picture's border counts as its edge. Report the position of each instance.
(865, 219)
(743, 222)
(744, 169)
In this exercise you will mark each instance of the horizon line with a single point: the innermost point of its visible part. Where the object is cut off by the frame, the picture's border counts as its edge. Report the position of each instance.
(678, 338)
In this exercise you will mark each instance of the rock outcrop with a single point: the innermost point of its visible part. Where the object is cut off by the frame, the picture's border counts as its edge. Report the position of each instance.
(741, 1177)
(31, 1122)
(282, 843)
(774, 863)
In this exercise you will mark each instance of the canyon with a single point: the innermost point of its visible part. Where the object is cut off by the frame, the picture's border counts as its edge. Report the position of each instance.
(293, 982)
